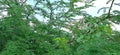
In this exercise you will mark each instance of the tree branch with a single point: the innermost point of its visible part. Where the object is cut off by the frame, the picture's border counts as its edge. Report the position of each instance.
(110, 8)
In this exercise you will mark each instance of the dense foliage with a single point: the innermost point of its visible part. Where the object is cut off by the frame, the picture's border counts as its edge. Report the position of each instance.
(22, 33)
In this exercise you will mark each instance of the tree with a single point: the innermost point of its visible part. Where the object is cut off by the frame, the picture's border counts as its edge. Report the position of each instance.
(21, 33)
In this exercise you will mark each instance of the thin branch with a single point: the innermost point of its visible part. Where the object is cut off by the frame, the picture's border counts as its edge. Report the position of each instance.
(23, 2)
(110, 8)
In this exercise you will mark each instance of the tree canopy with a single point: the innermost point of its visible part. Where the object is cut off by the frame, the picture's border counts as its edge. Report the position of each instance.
(22, 32)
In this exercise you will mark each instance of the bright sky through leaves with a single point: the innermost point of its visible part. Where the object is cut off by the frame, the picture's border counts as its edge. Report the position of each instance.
(93, 10)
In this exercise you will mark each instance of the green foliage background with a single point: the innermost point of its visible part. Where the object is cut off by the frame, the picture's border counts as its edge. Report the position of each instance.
(88, 36)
